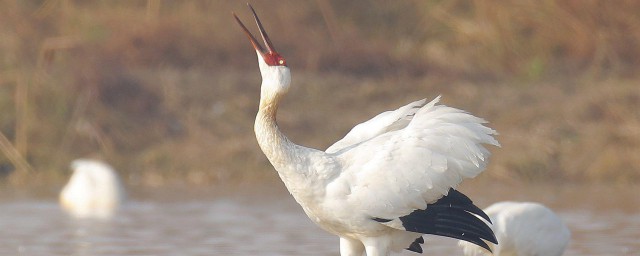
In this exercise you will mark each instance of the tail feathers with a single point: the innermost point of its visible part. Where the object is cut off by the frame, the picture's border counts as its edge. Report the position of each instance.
(451, 216)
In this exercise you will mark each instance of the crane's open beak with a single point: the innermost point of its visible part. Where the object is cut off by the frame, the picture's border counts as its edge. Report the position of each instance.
(254, 42)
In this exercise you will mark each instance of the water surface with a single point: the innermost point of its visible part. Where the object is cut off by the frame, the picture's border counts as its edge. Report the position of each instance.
(266, 221)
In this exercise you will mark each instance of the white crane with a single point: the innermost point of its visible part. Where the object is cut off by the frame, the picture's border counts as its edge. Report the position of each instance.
(94, 190)
(523, 229)
(389, 180)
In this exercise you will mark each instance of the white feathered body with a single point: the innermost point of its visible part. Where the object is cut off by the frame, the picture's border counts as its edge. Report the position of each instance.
(94, 190)
(384, 169)
(387, 167)
(524, 229)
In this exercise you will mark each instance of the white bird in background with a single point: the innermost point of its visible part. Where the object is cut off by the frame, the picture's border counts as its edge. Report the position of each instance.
(94, 190)
(389, 180)
(523, 229)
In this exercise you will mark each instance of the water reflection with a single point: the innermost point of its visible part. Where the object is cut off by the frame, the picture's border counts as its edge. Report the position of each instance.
(267, 222)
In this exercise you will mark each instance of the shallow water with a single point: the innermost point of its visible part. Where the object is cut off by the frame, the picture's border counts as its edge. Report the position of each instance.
(266, 221)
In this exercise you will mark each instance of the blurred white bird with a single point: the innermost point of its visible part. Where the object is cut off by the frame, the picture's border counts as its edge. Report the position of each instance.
(389, 180)
(523, 229)
(94, 190)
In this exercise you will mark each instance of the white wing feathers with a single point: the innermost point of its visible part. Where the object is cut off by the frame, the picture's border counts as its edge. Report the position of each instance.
(383, 122)
(402, 160)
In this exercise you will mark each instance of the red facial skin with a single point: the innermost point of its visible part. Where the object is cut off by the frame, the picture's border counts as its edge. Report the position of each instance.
(274, 59)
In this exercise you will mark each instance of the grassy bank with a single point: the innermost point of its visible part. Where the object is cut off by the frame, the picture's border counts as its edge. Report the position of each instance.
(167, 91)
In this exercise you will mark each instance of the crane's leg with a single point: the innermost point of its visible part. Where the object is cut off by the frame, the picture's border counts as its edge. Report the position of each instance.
(350, 247)
(377, 246)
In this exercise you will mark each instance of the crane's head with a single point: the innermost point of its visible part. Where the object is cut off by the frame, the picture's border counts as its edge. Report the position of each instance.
(270, 56)
(273, 66)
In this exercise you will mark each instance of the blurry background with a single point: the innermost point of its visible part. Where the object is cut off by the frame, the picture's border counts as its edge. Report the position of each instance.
(167, 91)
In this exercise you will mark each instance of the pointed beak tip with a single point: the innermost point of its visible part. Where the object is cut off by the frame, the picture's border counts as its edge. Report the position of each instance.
(265, 38)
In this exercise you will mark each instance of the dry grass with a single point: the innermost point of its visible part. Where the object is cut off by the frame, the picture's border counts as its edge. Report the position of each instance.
(166, 91)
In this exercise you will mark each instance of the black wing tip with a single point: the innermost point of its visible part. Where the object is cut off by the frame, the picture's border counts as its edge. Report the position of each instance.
(415, 247)
(381, 220)
(481, 243)
(455, 216)
(458, 200)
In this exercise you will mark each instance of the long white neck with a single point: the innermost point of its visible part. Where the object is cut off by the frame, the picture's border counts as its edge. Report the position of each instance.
(304, 171)
(286, 157)
(276, 146)
(295, 164)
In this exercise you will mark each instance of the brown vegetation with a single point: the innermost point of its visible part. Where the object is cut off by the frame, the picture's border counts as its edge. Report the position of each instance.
(167, 91)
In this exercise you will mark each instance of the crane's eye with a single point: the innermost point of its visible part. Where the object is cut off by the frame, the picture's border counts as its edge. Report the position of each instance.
(281, 62)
